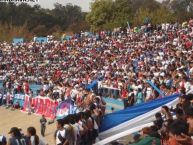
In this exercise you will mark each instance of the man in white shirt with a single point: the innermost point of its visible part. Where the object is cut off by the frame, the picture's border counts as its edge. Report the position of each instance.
(189, 88)
(60, 134)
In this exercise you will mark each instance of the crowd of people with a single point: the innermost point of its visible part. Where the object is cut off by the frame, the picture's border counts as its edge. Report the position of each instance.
(17, 137)
(121, 62)
(75, 129)
(171, 126)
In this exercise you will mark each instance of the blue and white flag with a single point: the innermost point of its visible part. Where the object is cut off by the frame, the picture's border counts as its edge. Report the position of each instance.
(134, 116)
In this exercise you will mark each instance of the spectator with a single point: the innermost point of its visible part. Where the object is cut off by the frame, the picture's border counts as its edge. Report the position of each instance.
(189, 114)
(60, 134)
(147, 139)
(43, 122)
(178, 130)
(3, 140)
(159, 120)
(17, 138)
(166, 112)
(34, 139)
(180, 114)
(71, 133)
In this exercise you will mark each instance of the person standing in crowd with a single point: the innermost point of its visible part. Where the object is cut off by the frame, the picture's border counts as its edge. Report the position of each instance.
(166, 112)
(139, 96)
(189, 114)
(17, 138)
(179, 135)
(147, 138)
(70, 130)
(34, 138)
(60, 134)
(3, 140)
(1, 98)
(43, 122)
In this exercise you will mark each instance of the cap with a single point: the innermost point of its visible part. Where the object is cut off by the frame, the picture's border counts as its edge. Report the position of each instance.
(20, 129)
(13, 130)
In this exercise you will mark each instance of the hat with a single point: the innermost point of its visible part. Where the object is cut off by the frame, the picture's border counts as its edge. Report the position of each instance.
(14, 130)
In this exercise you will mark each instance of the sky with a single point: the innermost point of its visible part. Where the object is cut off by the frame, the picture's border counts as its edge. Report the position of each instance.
(84, 4)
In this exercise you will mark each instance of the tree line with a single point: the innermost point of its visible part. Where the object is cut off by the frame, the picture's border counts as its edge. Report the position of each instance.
(109, 14)
(23, 20)
(27, 21)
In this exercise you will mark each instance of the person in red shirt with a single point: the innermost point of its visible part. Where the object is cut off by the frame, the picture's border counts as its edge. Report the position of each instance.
(179, 135)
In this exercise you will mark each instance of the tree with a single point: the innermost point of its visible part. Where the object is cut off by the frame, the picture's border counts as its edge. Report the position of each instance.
(144, 4)
(141, 15)
(122, 13)
(183, 9)
(101, 14)
(163, 15)
(38, 20)
(40, 30)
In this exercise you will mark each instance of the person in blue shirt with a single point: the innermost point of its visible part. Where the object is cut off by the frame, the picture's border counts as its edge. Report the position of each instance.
(139, 96)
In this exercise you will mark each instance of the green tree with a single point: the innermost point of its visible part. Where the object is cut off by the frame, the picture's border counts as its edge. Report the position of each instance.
(20, 18)
(101, 14)
(141, 15)
(183, 9)
(122, 13)
(162, 15)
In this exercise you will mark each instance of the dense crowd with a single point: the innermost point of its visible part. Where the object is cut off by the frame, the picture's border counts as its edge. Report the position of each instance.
(121, 62)
(171, 126)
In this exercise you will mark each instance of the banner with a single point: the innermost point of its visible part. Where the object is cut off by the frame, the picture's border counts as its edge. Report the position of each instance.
(17, 40)
(19, 98)
(41, 105)
(119, 121)
(26, 103)
(65, 108)
(41, 39)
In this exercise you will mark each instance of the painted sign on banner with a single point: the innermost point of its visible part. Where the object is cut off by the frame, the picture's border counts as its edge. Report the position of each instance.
(18, 40)
(41, 105)
(41, 39)
(19, 98)
(65, 108)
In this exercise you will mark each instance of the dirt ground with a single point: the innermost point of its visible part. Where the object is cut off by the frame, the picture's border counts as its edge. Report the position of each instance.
(16, 118)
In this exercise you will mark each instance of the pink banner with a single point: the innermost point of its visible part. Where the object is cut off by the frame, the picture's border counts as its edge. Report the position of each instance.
(26, 102)
(41, 105)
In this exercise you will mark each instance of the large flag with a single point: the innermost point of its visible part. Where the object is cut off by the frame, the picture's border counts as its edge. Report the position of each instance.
(134, 116)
